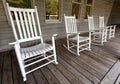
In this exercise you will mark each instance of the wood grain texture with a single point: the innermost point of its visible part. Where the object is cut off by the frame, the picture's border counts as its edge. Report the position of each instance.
(112, 74)
(91, 67)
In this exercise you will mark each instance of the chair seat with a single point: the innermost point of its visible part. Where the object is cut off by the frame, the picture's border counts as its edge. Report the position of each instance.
(81, 38)
(35, 50)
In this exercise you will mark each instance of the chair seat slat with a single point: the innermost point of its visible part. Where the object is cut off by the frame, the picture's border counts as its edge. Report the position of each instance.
(32, 51)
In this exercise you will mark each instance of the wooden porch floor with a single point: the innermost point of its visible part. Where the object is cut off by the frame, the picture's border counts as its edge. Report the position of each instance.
(99, 66)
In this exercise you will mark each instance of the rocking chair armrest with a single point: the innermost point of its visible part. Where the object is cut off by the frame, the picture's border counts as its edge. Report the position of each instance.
(25, 40)
(12, 43)
(86, 31)
(74, 33)
(54, 35)
(53, 39)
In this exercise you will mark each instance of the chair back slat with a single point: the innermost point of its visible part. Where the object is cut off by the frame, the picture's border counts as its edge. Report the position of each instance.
(37, 21)
(22, 24)
(70, 24)
(91, 23)
(18, 24)
(30, 24)
(101, 21)
(33, 21)
(25, 23)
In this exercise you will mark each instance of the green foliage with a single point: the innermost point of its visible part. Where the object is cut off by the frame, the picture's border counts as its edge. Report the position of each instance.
(20, 3)
(52, 7)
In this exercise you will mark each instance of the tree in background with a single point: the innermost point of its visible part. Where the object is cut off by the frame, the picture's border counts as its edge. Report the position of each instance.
(20, 3)
(51, 8)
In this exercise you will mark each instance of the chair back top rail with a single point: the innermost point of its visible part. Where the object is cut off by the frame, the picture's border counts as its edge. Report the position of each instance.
(91, 23)
(70, 24)
(101, 21)
(25, 22)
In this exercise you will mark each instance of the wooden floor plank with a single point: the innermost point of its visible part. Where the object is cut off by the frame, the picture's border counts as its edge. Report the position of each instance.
(91, 67)
(58, 74)
(111, 50)
(92, 63)
(87, 66)
(7, 73)
(75, 72)
(38, 75)
(115, 45)
(17, 78)
(107, 56)
(68, 74)
(49, 76)
(1, 67)
(30, 79)
(112, 74)
(84, 60)
(118, 80)
(88, 75)
(97, 58)
(40, 78)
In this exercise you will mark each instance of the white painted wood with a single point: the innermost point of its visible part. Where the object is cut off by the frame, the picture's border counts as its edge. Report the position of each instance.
(40, 66)
(73, 36)
(99, 35)
(33, 21)
(112, 75)
(12, 22)
(26, 24)
(22, 24)
(30, 23)
(91, 23)
(111, 31)
(18, 24)
(38, 22)
(101, 21)
(26, 27)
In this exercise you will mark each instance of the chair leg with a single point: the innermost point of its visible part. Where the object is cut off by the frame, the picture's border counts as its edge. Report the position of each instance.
(24, 78)
(55, 57)
(93, 37)
(78, 51)
(54, 50)
(68, 45)
(106, 35)
(44, 54)
(78, 48)
(110, 32)
(90, 44)
(102, 40)
(20, 62)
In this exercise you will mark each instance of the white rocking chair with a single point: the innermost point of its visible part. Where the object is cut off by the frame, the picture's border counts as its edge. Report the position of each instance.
(75, 42)
(110, 29)
(99, 35)
(102, 25)
(26, 27)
